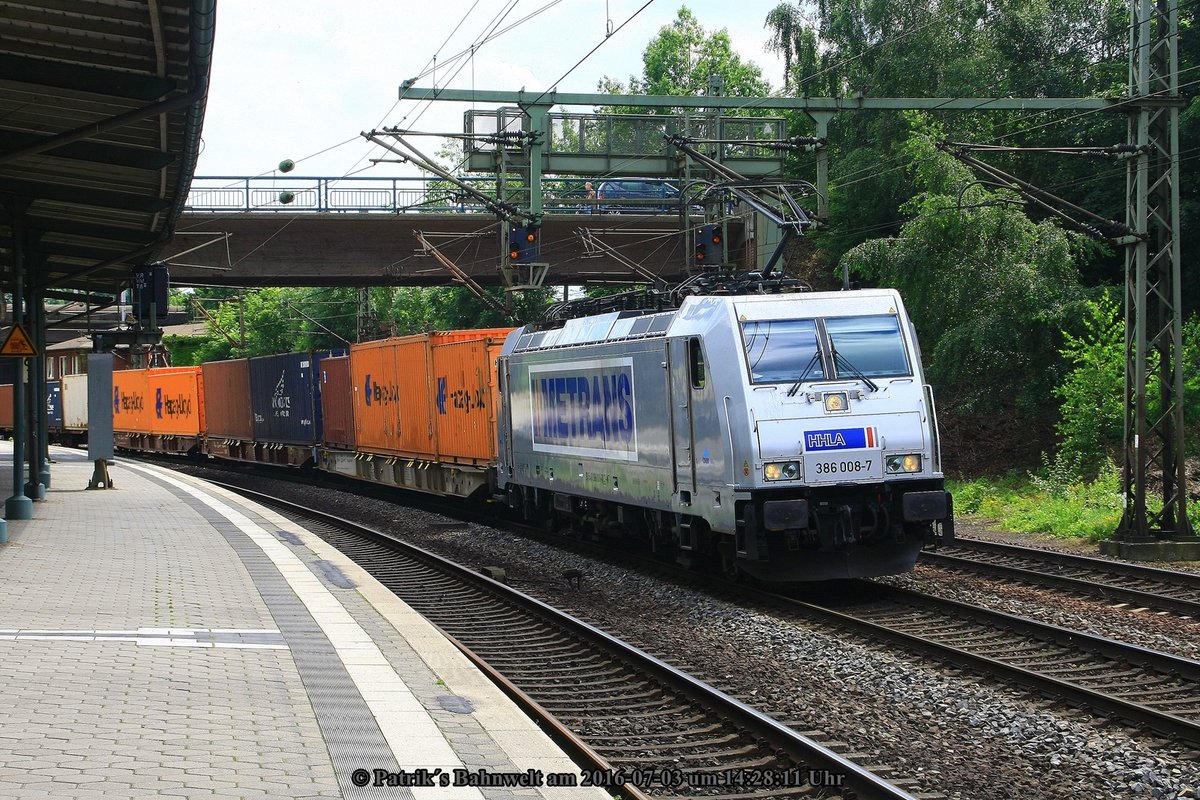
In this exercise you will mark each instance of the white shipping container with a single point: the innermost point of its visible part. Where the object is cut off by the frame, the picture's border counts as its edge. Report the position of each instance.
(75, 402)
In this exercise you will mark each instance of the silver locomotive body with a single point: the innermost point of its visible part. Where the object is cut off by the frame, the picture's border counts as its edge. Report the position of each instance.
(790, 437)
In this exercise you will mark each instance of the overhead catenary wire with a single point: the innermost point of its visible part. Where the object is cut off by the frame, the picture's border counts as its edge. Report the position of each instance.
(872, 171)
(1030, 116)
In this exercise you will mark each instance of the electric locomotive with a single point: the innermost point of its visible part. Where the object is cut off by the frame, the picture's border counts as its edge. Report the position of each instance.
(790, 437)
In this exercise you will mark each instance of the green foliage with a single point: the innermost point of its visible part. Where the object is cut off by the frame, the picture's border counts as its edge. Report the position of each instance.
(185, 350)
(988, 289)
(1010, 48)
(1091, 417)
(420, 309)
(797, 43)
(1050, 503)
(681, 58)
(278, 320)
(1191, 383)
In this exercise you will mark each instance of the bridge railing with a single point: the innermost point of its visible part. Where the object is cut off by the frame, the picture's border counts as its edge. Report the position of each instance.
(293, 193)
(400, 195)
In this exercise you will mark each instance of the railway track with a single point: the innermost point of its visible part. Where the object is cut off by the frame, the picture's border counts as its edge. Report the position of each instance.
(1142, 687)
(651, 728)
(1115, 581)
(1118, 680)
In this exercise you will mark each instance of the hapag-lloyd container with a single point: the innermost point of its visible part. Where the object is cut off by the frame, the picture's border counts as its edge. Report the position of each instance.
(131, 409)
(164, 403)
(176, 401)
(429, 397)
(227, 400)
(337, 409)
(391, 397)
(285, 399)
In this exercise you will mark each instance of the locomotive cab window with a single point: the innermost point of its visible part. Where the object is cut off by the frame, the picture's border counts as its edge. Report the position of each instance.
(783, 350)
(830, 348)
(696, 363)
(869, 346)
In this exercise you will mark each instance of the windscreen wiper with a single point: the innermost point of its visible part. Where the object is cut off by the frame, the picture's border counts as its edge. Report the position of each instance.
(812, 362)
(854, 371)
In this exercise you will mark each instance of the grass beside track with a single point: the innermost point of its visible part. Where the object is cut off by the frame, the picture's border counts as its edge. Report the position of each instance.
(1047, 504)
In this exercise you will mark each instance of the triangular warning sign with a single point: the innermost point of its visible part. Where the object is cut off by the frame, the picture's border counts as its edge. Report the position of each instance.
(18, 343)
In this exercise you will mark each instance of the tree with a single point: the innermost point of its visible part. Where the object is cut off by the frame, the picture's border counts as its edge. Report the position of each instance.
(681, 59)
(797, 43)
(988, 288)
(895, 48)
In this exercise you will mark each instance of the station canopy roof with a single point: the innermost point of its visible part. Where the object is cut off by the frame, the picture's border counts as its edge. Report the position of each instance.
(101, 107)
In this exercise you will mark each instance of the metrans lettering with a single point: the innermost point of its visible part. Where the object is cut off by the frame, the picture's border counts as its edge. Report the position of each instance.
(585, 409)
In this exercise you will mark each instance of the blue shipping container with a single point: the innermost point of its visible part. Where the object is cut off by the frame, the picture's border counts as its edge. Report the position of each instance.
(286, 398)
(54, 408)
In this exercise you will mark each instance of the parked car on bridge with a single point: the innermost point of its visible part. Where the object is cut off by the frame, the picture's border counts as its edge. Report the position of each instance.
(637, 196)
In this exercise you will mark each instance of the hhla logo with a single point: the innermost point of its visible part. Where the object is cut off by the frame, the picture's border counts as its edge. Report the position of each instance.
(281, 402)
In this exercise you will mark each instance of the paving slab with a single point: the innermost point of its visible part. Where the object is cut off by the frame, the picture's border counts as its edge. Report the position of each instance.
(169, 638)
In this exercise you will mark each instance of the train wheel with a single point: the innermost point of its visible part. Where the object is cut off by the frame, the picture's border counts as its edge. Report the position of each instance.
(726, 558)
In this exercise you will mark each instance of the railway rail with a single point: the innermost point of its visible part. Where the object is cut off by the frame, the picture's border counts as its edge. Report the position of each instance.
(1144, 687)
(646, 727)
(1117, 581)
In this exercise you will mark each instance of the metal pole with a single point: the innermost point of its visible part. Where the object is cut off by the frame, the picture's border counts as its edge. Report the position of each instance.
(822, 119)
(42, 392)
(18, 506)
(1154, 446)
(539, 126)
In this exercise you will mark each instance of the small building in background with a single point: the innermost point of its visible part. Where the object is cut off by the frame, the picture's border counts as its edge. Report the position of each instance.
(70, 357)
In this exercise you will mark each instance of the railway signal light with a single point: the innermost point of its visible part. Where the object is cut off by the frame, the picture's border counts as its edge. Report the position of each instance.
(523, 244)
(151, 288)
(709, 240)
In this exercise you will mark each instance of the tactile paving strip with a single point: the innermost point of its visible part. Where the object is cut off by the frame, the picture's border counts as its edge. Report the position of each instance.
(160, 637)
(351, 734)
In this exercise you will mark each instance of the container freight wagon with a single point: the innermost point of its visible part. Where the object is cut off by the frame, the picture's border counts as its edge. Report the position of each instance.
(61, 424)
(337, 403)
(286, 406)
(54, 408)
(159, 410)
(6, 409)
(424, 411)
(229, 422)
(75, 409)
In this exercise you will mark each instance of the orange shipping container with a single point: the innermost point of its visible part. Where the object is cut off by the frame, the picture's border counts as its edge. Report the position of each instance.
(227, 400)
(405, 390)
(130, 408)
(6, 406)
(465, 398)
(177, 397)
(337, 411)
(166, 401)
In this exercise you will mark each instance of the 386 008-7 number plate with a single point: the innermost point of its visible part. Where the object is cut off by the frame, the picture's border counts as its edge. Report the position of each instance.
(853, 465)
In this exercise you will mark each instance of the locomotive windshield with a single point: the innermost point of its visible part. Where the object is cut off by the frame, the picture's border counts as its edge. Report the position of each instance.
(781, 350)
(794, 350)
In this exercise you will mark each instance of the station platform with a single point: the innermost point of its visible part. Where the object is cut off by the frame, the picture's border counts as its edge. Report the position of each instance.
(165, 638)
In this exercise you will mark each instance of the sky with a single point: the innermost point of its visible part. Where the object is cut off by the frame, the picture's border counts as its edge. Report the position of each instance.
(300, 79)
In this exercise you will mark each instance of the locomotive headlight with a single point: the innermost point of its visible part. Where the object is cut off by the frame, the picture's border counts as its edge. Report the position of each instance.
(836, 401)
(781, 470)
(898, 465)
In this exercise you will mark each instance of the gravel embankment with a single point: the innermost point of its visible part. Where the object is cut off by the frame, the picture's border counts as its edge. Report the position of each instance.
(957, 733)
